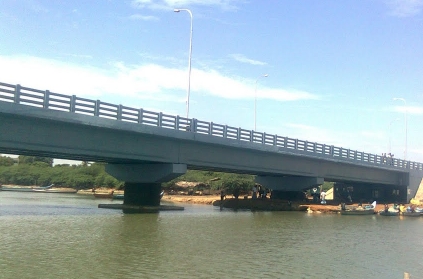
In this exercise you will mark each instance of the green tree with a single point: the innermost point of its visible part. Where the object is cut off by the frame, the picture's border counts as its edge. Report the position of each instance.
(32, 159)
(6, 161)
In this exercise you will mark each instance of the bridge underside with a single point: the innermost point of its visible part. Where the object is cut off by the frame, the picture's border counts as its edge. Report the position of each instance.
(363, 192)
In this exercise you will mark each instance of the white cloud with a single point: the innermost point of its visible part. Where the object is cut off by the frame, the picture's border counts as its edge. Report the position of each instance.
(143, 17)
(241, 58)
(405, 8)
(147, 81)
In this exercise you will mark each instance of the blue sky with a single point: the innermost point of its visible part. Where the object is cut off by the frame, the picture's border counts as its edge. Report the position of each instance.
(333, 67)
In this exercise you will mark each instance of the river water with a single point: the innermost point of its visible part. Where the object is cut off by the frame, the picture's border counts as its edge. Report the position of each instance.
(68, 236)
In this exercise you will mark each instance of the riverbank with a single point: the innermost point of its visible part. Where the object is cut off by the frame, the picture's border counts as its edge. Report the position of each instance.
(206, 199)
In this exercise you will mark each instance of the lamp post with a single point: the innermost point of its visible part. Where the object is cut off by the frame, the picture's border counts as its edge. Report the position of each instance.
(189, 58)
(405, 120)
(255, 101)
(390, 124)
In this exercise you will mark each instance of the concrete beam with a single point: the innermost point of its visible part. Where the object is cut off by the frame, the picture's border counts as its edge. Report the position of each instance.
(289, 183)
(146, 173)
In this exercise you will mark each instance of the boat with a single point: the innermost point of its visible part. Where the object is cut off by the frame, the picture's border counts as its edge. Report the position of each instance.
(118, 196)
(412, 214)
(58, 191)
(368, 209)
(358, 212)
(388, 213)
(121, 196)
(25, 188)
(104, 195)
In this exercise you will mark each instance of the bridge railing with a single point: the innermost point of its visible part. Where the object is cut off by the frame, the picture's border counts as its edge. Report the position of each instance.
(54, 101)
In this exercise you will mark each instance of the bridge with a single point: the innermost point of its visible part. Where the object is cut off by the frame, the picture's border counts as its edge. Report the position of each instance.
(145, 148)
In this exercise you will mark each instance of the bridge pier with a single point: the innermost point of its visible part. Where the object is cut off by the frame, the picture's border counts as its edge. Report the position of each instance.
(143, 184)
(142, 194)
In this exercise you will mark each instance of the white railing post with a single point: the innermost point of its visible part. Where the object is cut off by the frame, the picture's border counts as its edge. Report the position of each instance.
(225, 131)
(119, 113)
(140, 115)
(176, 126)
(72, 103)
(194, 125)
(97, 108)
(17, 96)
(159, 120)
(46, 99)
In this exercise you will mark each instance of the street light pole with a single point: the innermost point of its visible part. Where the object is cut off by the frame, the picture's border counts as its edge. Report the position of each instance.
(405, 117)
(255, 101)
(189, 58)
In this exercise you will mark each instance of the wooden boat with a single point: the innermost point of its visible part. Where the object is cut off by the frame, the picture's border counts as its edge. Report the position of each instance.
(25, 189)
(58, 191)
(118, 196)
(412, 214)
(121, 196)
(369, 211)
(104, 195)
(389, 213)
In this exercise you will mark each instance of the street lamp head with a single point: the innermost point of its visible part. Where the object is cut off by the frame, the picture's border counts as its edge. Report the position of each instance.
(176, 10)
(265, 75)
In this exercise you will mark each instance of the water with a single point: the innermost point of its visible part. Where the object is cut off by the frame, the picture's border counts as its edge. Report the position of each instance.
(67, 236)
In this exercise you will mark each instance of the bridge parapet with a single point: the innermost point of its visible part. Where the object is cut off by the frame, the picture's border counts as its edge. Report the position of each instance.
(60, 102)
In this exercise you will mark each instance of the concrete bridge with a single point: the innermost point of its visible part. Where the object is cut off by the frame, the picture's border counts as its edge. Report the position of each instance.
(145, 148)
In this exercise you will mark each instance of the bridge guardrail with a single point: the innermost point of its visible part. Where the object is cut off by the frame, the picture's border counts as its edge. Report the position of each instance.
(55, 101)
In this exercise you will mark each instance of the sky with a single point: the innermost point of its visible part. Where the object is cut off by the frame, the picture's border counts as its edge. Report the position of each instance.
(325, 71)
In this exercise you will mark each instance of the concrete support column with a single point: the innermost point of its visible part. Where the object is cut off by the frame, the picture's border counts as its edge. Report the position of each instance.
(142, 194)
(143, 184)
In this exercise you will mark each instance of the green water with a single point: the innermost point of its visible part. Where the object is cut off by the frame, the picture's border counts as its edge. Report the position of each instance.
(67, 236)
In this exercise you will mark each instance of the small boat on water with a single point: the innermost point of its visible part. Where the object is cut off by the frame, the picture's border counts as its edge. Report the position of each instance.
(358, 212)
(388, 213)
(118, 196)
(412, 214)
(104, 195)
(25, 189)
(368, 209)
(58, 191)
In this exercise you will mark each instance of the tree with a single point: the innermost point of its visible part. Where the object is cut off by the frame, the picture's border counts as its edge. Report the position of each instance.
(32, 159)
(6, 161)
